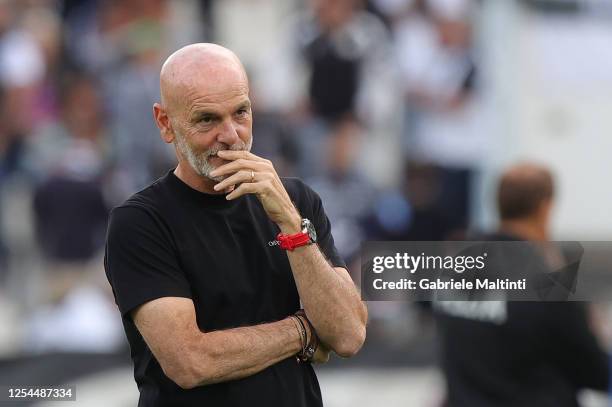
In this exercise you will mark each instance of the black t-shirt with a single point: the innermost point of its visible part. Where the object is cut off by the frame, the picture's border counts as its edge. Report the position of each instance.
(511, 354)
(171, 240)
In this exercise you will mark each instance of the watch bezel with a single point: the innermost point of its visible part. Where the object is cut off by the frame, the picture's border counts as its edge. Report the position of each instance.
(309, 229)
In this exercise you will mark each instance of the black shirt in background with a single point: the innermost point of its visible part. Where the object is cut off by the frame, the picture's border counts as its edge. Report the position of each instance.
(171, 240)
(540, 354)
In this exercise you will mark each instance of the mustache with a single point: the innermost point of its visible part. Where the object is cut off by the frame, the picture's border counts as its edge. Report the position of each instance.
(214, 150)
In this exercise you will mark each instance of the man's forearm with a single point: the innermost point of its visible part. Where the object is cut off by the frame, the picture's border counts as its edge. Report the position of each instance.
(330, 300)
(220, 356)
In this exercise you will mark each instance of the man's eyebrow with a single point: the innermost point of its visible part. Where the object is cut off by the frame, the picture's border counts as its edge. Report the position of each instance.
(197, 114)
(244, 104)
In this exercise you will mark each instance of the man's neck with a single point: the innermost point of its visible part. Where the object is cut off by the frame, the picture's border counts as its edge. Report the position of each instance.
(198, 182)
(524, 229)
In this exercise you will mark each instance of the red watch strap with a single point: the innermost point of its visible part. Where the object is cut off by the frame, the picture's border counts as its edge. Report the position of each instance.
(290, 242)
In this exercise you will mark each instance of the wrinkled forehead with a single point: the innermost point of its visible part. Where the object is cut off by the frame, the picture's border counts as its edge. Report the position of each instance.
(214, 85)
(203, 81)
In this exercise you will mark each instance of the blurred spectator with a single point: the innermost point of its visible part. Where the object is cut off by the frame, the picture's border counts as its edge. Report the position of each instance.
(412, 212)
(43, 24)
(520, 353)
(273, 138)
(67, 159)
(347, 195)
(134, 31)
(434, 46)
(81, 121)
(336, 66)
(22, 69)
(70, 209)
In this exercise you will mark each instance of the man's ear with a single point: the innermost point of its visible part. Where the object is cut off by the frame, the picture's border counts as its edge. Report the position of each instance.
(163, 123)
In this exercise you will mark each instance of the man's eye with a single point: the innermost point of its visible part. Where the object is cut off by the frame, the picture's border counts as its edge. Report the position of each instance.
(242, 112)
(207, 119)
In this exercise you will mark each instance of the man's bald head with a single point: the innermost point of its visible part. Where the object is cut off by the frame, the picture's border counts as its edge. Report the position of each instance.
(522, 189)
(197, 66)
(205, 108)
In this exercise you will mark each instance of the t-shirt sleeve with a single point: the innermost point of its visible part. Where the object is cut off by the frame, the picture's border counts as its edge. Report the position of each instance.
(139, 260)
(322, 226)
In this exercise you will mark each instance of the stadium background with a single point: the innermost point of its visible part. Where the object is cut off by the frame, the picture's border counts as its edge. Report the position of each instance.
(402, 123)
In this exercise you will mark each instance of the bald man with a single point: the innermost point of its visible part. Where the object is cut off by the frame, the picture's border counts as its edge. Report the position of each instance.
(211, 264)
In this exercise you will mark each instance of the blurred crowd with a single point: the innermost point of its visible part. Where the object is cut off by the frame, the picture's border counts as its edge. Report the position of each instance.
(77, 79)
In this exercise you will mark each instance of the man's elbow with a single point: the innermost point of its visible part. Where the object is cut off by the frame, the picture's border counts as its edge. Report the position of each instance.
(184, 381)
(182, 376)
(188, 375)
(350, 344)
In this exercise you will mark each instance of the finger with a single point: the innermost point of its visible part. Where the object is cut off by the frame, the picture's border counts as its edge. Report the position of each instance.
(235, 166)
(245, 188)
(241, 177)
(237, 178)
(235, 155)
(321, 358)
(321, 355)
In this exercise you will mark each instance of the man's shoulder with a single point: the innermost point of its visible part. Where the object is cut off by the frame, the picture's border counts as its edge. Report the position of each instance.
(146, 211)
(150, 198)
(292, 183)
(298, 190)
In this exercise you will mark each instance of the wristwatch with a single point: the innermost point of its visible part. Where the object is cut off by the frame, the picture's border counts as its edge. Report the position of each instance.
(307, 236)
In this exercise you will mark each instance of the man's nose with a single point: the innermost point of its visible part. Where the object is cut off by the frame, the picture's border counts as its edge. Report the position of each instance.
(228, 133)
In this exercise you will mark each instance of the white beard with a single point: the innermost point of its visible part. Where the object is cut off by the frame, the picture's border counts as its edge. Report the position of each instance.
(200, 162)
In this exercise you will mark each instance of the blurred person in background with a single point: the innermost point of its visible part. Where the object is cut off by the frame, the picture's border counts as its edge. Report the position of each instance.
(81, 121)
(438, 72)
(347, 193)
(275, 139)
(23, 69)
(410, 212)
(68, 159)
(131, 86)
(29, 50)
(335, 69)
(507, 353)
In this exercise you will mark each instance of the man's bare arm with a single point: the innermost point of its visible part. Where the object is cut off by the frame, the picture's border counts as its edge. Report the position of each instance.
(193, 358)
(330, 298)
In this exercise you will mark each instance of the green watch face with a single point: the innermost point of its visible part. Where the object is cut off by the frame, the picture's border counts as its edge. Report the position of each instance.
(308, 227)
